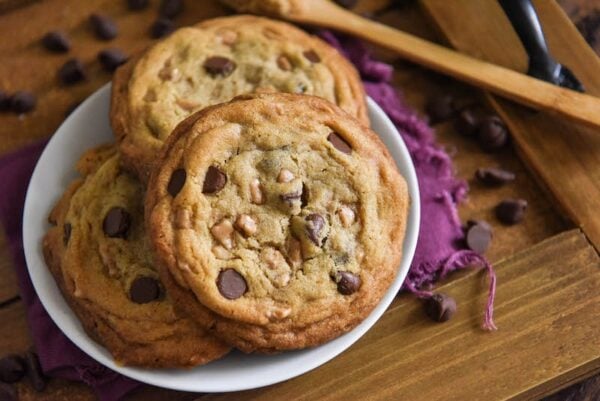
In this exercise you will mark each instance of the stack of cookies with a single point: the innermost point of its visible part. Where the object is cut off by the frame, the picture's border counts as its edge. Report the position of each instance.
(245, 204)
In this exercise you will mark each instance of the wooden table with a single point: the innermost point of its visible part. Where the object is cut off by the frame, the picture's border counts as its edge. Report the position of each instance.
(548, 303)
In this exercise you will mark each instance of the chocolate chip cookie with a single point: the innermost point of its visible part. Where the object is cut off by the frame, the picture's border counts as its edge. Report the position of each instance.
(212, 62)
(98, 253)
(279, 215)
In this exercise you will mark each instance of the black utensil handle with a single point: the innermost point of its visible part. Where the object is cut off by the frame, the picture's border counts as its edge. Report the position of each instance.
(524, 20)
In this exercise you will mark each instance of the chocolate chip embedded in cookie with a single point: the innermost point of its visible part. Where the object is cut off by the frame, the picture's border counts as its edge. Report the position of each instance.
(97, 251)
(211, 63)
(298, 218)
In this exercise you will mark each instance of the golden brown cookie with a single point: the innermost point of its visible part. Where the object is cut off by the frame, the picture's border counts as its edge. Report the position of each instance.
(280, 215)
(212, 62)
(98, 253)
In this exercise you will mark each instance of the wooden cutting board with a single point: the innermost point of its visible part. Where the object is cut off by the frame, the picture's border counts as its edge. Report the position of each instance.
(548, 304)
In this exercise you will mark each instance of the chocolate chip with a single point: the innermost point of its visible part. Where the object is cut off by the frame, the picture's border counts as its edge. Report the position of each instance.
(161, 28)
(339, 143)
(4, 101)
(315, 223)
(116, 223)
(12, 369)
(34, 371)
(144, 290)
(467, 123)
(347, 3)
(492, 133)
(347, 283)
(511, 211)
(312, 56)
(136, 5)
(494, 176)
(56, 41)
(231, 284)
(478, 238)
(440, 108)
(22, 102)
(171, 8)
(66, 233)
(176, 182)
(7, 392)
(440, 307)
(104, 27)
(214, 180)
(72, 72)
(111, 59)
(291, 197)
(218, 65)
(305, 196)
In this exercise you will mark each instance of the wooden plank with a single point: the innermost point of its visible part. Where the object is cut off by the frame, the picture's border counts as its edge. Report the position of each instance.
(548, 311)
(565, 157)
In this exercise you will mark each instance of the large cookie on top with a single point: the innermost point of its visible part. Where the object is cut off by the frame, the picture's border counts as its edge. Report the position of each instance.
(281, 215)
(98, 253)
(211, 63)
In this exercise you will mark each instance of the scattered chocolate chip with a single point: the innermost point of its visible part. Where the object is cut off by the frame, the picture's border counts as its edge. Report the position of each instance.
(347, 3)
(315, 223)
(171, 8)
(12, 369)
(144, 290)
(4, 101)
(161, 28)
(339, 143)
(214, 180)
(22, 102)
(56, 41)
(231, 284)
(34, 371)
(492, 133)
(467, 122)
(176, 182)
(347, 283)
(511, 211)
(104, 27)
(494, 176)
(478, 238)
(440, 307)
(72, 72)
(440, 108)
(66, 233)
(136, 5)
(218, 65)
(312, 56)
(305, 196)
(111, 59)
(8, 392)
(116, 223)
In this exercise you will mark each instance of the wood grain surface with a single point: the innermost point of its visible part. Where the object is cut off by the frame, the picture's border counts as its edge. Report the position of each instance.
(548, 306)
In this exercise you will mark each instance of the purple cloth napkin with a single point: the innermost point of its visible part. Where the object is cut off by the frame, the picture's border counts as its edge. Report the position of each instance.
(440, 248)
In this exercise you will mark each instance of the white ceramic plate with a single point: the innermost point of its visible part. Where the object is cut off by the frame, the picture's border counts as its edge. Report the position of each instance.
(89, 126)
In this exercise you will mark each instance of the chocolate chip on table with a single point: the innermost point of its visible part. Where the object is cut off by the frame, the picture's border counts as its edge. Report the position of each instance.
(170, 8)
(176, 182)
(312, 56)
(22, 102)
(347, 3)
(231, 284)
(4, 101)
(339, 143)
(136, 5)
(161, 28)
(478, 237)
(467, 122)
(144, 289)
(218, 65)
(34, 371)
(314, 225)
(66, 233)
(440, 108)
(56, 41)
(440, 307)
(511, 211)
(492, 133)
(347, 283)
(12, 369)
(116, 223)
(104, 27)
(493, 176)
(214, 180)
(8, 392)
(72, 72)
(111, 59)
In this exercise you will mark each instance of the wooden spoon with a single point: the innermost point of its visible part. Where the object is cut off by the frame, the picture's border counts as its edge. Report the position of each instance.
(501, 81)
